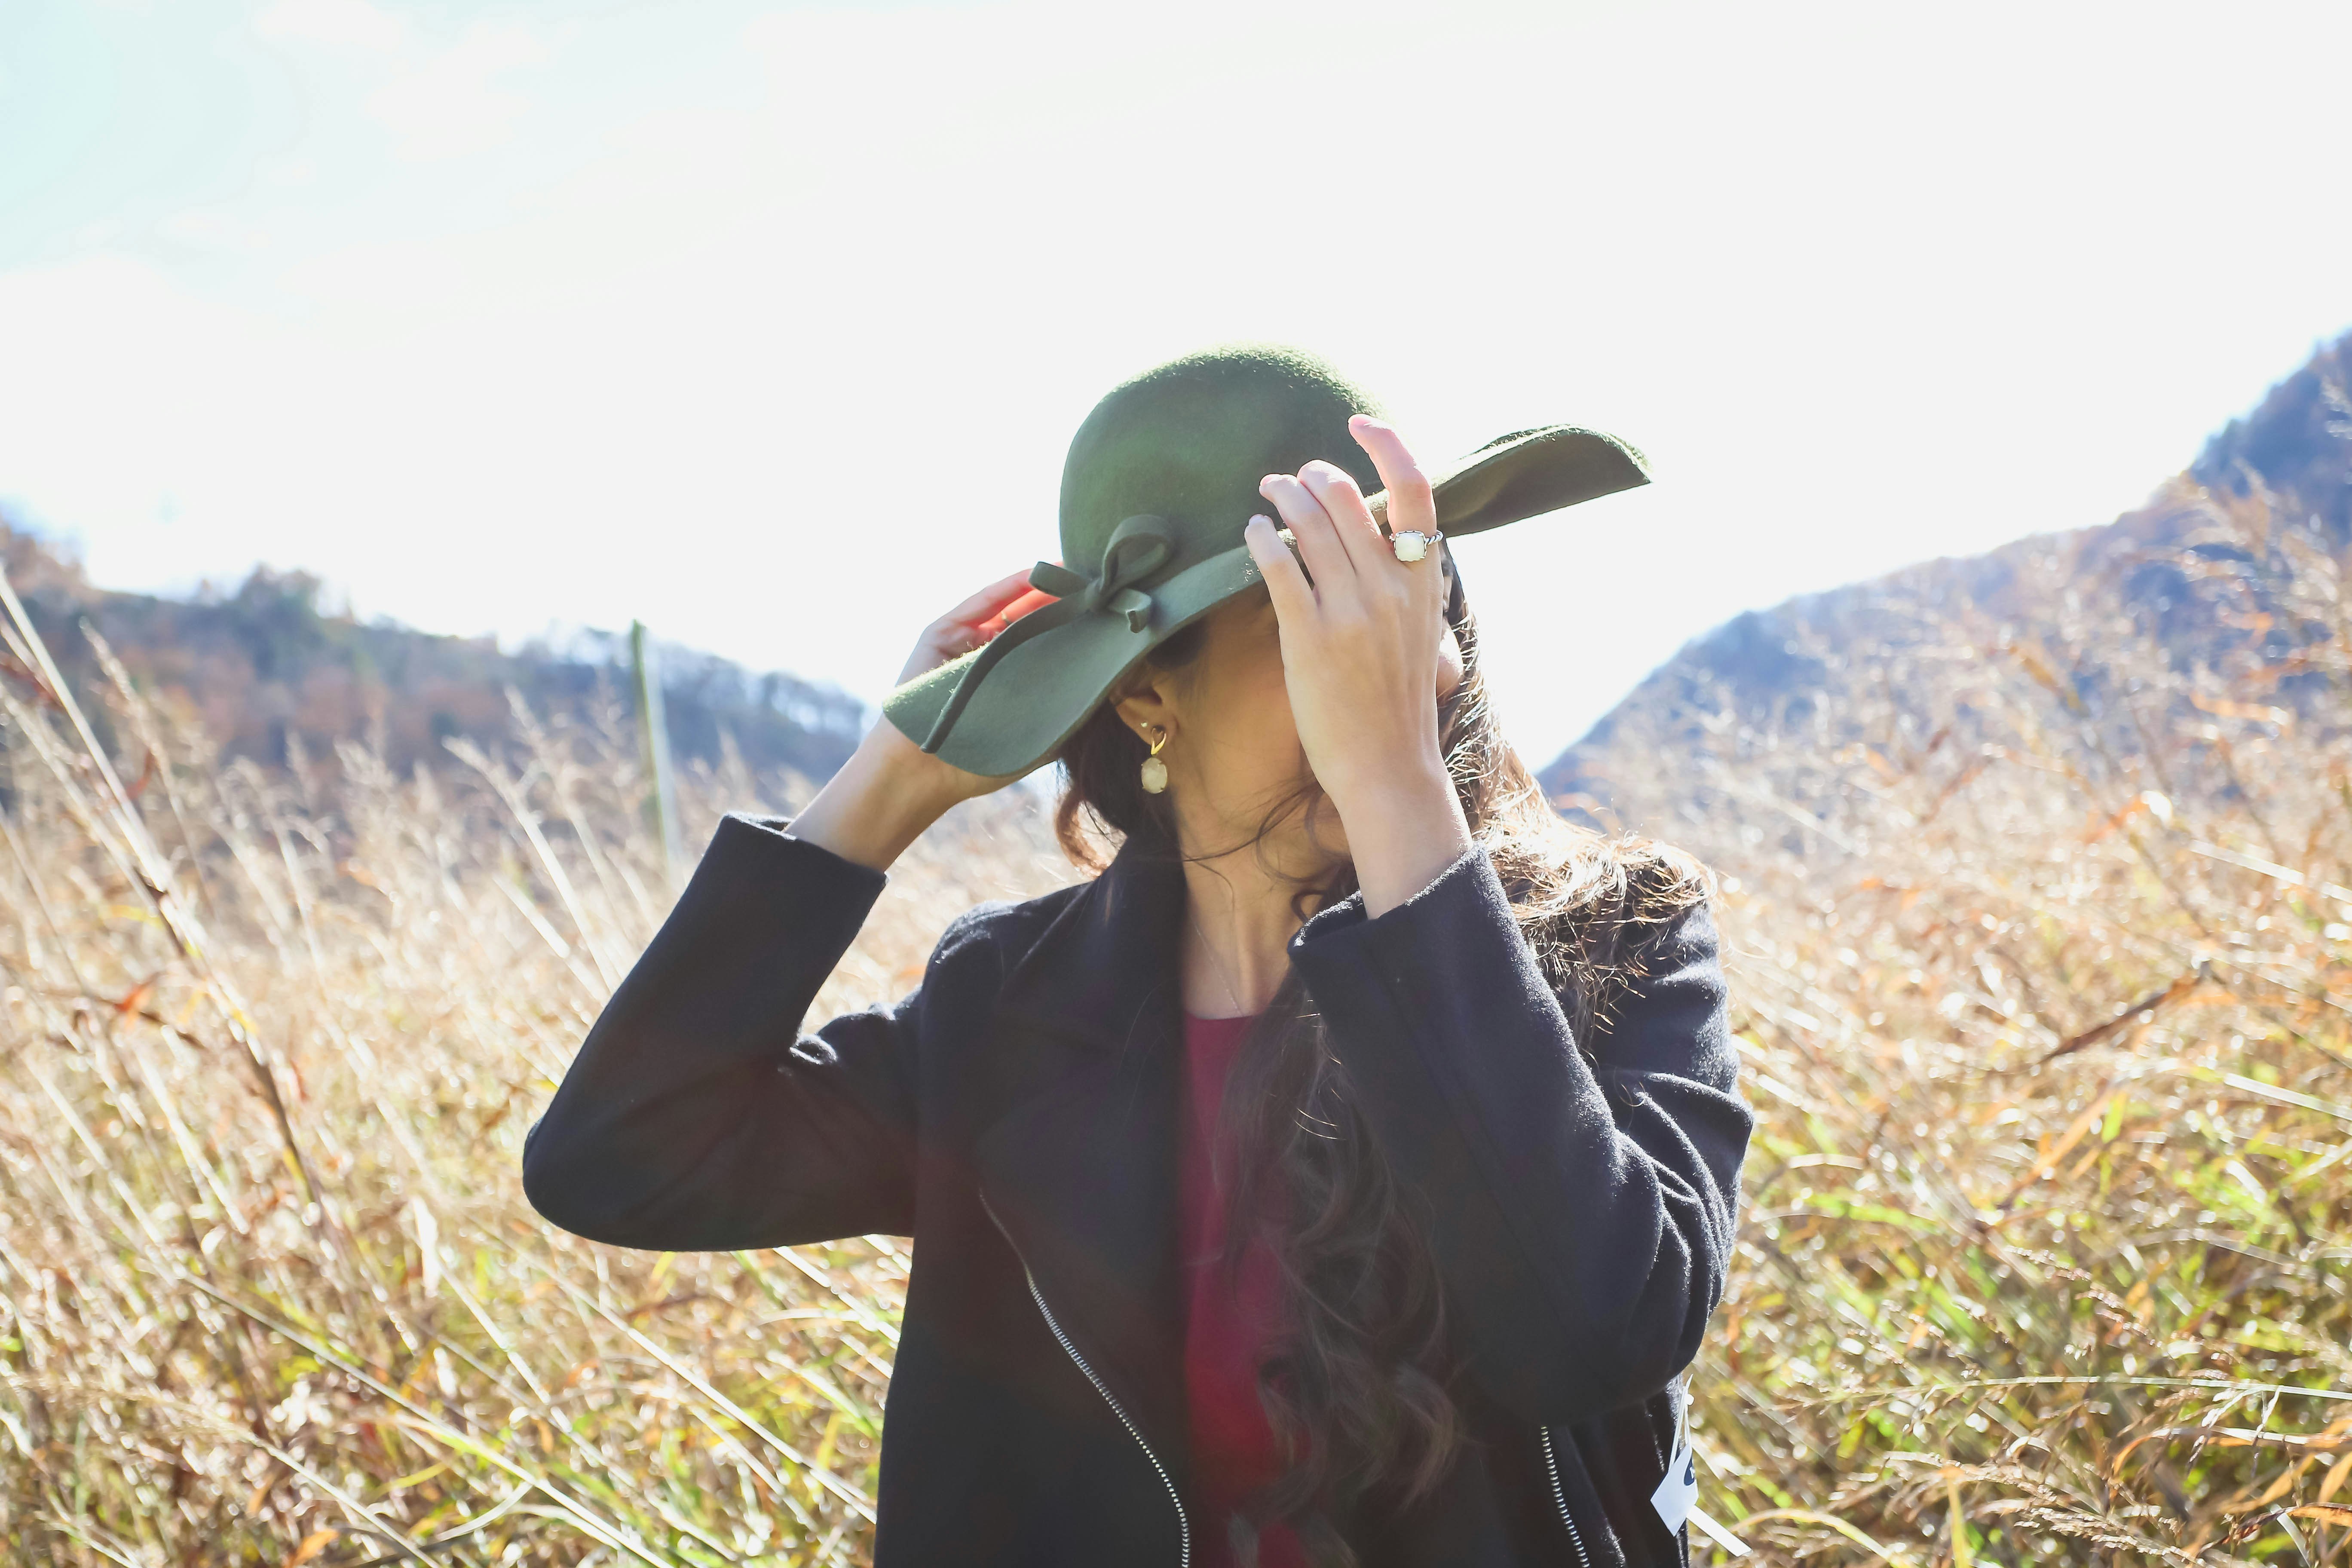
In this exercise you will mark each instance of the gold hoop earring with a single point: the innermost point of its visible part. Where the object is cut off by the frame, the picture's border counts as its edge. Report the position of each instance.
(1155, 772)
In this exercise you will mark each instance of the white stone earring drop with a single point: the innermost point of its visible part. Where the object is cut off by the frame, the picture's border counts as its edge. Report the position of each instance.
(1155, 772)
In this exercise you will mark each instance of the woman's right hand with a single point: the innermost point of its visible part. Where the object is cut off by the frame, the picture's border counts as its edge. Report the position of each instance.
(970, 624)
(975, 621)
(891, 789)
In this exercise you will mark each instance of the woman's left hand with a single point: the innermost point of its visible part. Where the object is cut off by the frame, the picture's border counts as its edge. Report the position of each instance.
(1365, 650)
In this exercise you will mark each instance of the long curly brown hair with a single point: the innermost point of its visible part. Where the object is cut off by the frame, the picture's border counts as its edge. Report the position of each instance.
(1356, 1389)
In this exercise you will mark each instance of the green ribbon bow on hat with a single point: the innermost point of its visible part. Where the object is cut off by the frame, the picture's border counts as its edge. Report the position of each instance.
(1138, 547)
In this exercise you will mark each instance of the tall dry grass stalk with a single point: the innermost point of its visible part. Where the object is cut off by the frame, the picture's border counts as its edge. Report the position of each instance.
(2039, 936)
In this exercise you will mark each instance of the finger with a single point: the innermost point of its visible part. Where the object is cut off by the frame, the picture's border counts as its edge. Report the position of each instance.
(1410, 507)
(1343, 503)
(1286, 580)
(1318, 542)
(1034, 599)
(990, 601)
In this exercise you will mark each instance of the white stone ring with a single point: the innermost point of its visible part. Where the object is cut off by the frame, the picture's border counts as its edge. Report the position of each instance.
(1409, 545)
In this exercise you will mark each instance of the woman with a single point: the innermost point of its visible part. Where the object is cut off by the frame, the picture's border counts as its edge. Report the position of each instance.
(1345, 1174)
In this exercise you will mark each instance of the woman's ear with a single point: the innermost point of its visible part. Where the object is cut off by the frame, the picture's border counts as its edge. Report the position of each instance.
(1146, 707)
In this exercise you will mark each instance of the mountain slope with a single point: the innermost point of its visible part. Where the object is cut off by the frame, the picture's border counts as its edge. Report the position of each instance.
(2280, 477)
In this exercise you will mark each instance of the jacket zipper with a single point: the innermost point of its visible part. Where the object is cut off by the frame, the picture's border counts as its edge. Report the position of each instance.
(1560, 1496)
(1183, 1524)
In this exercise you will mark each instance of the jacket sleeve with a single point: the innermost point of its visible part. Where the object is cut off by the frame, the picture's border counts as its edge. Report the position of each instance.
(698, 1115)
(1582, 1220)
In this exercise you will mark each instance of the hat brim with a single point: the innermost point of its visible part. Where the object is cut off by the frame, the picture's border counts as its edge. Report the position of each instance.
(1035, 696)
(1527, 474)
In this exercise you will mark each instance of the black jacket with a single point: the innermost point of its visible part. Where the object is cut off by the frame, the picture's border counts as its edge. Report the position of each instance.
(1016, 1116)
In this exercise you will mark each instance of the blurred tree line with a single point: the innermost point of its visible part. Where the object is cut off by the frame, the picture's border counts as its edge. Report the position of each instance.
(268, 663)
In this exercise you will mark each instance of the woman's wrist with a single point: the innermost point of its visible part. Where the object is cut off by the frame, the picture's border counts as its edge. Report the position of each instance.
(879, 802)
(1402, 832)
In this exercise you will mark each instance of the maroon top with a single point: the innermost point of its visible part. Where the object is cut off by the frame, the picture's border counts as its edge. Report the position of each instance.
(1225, 1332)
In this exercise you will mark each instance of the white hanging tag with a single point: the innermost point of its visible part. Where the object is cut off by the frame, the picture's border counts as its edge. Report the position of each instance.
(1679, 1489)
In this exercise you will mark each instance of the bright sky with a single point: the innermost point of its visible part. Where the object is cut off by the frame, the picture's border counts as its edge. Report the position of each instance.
(769, 324)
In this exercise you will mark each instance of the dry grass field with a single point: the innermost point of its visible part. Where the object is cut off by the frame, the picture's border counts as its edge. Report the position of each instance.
(2040, 946)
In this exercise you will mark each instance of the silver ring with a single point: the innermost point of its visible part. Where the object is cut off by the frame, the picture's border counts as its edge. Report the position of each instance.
(1410, 544)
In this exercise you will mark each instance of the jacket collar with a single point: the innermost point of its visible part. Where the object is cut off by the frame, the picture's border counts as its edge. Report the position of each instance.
(1104, 966)
(1075, 1151)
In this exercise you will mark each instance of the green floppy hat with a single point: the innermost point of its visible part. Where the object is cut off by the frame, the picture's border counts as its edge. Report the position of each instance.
(1156, 486)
